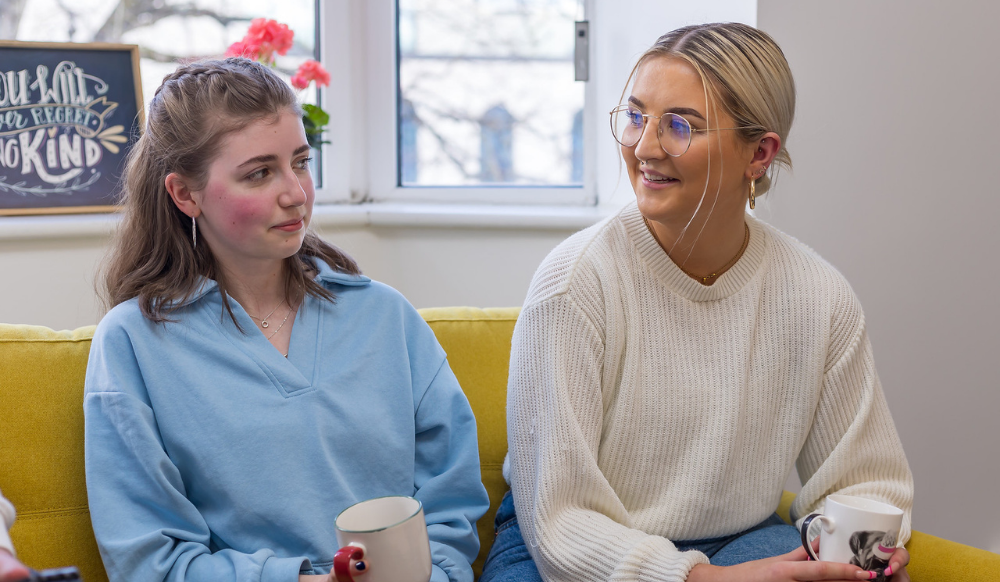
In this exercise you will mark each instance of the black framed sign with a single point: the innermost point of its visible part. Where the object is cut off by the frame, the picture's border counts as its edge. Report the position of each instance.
(69, 112)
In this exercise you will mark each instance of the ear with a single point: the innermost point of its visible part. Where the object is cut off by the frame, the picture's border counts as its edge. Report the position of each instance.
(766, 148)
(182, 195)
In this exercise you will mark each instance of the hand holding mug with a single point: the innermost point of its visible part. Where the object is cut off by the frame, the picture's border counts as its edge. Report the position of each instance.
(856, 531)
(383, 540)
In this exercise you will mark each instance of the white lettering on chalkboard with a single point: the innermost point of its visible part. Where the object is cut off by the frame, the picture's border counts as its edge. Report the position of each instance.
(53, 125)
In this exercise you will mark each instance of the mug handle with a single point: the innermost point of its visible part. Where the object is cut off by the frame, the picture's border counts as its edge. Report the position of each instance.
(804, 530)
(342, 562)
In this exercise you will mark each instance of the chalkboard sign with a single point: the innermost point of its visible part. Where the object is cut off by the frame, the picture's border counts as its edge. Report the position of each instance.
(69, 113)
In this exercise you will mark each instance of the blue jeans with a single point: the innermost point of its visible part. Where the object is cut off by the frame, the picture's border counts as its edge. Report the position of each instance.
(509, 560)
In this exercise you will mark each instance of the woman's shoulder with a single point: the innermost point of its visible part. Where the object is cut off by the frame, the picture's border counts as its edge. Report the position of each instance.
(793, 259)
(126, 317)
(579, 262)
(801, 271)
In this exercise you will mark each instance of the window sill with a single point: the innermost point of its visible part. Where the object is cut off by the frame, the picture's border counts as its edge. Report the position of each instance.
(387, 215)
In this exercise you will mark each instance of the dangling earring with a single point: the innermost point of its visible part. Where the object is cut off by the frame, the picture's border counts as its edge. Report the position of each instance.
(194, 226)
(753, 181)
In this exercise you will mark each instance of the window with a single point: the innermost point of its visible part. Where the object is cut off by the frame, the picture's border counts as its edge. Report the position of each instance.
(487, 94)
(167, 31)
(475, 101)
(449, 101)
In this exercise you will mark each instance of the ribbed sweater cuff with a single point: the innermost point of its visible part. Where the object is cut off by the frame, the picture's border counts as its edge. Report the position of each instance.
(659, 561)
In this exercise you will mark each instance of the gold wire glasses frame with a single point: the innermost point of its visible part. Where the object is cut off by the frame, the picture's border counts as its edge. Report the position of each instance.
(673, 131)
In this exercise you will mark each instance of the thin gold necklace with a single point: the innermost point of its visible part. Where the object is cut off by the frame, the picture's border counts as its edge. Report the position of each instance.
(263, 322)
(707, 278)
(282, 324)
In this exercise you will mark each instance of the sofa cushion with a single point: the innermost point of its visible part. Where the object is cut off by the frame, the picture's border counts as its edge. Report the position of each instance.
(41, 428)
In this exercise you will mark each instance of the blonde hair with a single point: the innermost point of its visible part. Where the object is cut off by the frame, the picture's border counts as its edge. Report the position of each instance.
(152, 255)
(745, 72)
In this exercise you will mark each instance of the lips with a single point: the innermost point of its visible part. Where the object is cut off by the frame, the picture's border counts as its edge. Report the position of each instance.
(290, 225)
(656, 180)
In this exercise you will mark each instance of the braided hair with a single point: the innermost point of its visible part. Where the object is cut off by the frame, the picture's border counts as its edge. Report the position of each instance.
(195, 108)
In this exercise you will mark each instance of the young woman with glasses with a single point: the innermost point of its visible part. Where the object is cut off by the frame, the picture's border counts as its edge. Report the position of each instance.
(673, 364)
(249, 383)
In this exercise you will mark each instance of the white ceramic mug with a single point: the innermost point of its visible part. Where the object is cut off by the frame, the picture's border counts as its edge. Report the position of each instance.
(856, 531)
(383, 540)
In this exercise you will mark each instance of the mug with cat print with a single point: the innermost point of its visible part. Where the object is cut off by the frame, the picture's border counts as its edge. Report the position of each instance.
(856, 531)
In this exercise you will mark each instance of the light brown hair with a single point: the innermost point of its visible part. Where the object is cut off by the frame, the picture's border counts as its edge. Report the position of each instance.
(745, 72)
(152, 255)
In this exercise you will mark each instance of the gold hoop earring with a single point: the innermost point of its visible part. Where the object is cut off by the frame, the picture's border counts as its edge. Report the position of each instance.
(752, 199)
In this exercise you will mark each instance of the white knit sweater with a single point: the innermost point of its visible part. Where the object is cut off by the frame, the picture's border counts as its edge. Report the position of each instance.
(644, 407)
(6, 520)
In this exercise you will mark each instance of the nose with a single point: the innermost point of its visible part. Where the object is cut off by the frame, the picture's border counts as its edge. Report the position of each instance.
(293, 190)
(648, 147)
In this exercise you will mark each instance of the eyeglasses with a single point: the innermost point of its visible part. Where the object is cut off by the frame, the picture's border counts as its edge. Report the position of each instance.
(673, 131)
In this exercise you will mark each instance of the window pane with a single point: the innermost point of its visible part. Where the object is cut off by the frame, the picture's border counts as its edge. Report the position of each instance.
(167, 31)
(487, 93)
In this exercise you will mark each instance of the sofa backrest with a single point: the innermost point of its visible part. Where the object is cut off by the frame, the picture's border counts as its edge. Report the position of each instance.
(41, 428)
(477, 342)
(41, 446)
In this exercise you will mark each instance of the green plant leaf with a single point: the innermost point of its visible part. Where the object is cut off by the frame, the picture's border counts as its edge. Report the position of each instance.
(314, 121)
(316, 115)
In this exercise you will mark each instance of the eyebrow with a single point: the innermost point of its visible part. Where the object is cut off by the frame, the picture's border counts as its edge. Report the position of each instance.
(271, 157)
(677, 110)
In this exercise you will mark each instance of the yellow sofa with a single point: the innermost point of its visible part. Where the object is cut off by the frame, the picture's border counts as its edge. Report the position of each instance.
(41, 442)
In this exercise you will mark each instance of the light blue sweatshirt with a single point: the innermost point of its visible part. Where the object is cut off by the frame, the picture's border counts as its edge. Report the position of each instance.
(210, 457)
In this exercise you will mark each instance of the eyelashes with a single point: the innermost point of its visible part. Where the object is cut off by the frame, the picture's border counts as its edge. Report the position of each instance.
(262, 173)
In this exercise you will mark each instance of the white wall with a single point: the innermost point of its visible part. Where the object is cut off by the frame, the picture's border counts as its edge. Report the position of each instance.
(895, 152)
(51, 282)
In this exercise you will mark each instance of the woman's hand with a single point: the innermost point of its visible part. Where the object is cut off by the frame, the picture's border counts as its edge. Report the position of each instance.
(897, 565)
(790, 567)
(10, 569)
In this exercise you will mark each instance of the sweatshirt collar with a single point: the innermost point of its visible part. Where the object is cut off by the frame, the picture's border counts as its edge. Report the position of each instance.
(326, 275)
(676, 280)
(330, 277)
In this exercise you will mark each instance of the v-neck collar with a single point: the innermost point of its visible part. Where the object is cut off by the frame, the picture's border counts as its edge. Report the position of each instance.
(284, 373)
(298, 372)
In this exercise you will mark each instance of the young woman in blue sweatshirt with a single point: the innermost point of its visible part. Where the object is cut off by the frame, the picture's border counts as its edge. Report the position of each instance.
(249, 383)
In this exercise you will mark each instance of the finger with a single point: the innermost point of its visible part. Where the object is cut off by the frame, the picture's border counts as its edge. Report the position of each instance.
(898, 561)
(799, 554)
(831, 571)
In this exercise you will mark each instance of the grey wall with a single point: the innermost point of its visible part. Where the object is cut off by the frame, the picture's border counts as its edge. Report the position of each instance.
(895, 146)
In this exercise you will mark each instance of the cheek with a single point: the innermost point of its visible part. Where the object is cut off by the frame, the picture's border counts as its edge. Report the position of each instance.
(631, 162)
(237, 213)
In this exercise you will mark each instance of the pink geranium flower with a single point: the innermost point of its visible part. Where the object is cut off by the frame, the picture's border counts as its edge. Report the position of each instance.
(243, 49)
(310, 71)
(270, 36)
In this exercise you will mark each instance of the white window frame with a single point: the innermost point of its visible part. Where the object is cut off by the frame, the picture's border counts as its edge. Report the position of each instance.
(358, 47)
(361, 164)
